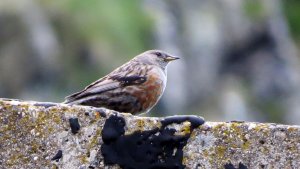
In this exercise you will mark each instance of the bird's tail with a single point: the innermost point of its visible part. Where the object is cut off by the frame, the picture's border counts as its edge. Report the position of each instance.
(67, 101)
(71, 99)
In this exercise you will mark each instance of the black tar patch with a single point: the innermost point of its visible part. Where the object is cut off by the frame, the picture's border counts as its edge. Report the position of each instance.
(153, 149)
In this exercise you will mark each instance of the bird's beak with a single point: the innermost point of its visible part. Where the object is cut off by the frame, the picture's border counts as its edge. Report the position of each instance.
(171, 58)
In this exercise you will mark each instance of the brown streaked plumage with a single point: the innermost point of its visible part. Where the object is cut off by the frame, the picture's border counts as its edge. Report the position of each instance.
(134, 87)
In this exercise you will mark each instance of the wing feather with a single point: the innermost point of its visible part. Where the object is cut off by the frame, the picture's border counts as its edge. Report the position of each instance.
(97, 88)
(116, 79)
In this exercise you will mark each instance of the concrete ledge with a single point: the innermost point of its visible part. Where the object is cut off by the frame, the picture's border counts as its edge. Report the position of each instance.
(50, 135)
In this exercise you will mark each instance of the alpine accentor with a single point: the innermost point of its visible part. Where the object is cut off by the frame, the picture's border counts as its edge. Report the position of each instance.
(134, 87)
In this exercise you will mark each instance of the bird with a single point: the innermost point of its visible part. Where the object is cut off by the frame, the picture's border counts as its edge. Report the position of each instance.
(135, 87)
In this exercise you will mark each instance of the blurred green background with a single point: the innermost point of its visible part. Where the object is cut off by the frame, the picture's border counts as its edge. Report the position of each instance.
(240, 59)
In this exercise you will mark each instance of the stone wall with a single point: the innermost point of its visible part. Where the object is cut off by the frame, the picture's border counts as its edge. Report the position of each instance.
(51, 135)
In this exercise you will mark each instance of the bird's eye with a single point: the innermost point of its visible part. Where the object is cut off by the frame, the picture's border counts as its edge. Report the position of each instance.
(158, 54)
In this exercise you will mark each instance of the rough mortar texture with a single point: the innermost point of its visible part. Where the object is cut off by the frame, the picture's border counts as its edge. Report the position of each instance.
(50, 135)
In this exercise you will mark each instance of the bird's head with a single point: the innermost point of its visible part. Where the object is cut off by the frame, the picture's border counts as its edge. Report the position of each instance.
(156, 57)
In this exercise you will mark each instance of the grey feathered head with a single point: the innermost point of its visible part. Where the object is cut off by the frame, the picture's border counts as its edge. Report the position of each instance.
(156, 57)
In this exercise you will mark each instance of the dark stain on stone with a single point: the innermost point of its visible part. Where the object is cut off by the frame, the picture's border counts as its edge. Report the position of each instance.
(74, 124)
(261, 141)
(231, 166)
(194, 120)
(101, 111)
(42, 149)
(113, 129)
(236, 121)
(242, 166)
(5, 120)
(159, 148)
(45, 104)
(57, 156)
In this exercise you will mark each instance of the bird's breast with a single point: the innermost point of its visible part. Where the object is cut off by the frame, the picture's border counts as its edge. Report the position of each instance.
(151, 90)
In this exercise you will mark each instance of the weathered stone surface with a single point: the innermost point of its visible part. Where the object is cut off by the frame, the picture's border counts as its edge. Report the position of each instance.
(47, 135)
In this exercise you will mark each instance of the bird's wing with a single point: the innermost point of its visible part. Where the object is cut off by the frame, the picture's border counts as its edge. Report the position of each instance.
(102, 85)
(116, 79)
